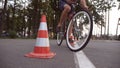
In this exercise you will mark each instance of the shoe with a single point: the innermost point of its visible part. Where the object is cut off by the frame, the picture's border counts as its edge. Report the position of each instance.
(71, 41)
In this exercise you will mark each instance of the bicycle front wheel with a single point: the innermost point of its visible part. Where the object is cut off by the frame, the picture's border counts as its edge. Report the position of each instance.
(80, 27)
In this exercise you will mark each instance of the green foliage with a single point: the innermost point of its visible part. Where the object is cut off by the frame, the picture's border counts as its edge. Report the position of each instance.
(118, 0)
(12, 34)
(119, 37)
(99, 7)
(25, 19)
(54, 4)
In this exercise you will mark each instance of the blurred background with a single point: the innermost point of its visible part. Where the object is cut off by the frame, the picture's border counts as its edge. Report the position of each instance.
(21, 18)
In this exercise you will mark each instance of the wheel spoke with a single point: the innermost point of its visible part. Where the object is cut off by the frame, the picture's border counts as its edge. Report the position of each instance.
(81, 28)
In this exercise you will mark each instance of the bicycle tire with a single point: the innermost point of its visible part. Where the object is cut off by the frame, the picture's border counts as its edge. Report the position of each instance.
(82, 40)
(61, 35)
(59, 38)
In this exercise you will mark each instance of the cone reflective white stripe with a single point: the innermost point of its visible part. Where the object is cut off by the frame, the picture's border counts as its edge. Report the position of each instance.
(42, 47)
(43, 26)
(42, 42)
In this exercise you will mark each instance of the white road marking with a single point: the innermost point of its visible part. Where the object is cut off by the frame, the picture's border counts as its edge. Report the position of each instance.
(82, 61)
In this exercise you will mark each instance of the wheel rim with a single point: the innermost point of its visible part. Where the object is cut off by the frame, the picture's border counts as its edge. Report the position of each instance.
(81, 30)
(59, 38)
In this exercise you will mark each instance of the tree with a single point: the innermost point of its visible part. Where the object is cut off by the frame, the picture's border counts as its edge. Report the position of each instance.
(23, 19)
(2, 15)
(119, 4)
(118, 37)
(101, 7)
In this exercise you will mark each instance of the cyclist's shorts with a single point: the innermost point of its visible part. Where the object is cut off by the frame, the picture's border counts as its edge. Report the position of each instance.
(61, 6)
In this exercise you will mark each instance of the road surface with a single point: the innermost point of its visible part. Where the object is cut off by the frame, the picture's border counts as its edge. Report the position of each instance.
(98, 54)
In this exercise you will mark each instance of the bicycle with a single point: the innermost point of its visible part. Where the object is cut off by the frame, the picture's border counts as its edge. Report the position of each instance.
(81, 25)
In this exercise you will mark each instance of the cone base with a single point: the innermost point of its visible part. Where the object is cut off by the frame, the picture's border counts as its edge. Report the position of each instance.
(42, 56)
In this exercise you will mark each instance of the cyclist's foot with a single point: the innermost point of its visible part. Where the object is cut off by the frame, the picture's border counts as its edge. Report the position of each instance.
(72, 41)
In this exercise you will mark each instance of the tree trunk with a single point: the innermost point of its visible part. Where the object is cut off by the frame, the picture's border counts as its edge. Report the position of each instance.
(117, 27)
(108, 23)
(2, 15)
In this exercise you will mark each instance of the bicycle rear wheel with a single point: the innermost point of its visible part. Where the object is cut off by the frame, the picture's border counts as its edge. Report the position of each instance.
(80, 27)
(60, 37)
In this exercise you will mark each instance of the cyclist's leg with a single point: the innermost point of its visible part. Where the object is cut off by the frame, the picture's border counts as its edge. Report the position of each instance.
(66, 8)
(71, 37)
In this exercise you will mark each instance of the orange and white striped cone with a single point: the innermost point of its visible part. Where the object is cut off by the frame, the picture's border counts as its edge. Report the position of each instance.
(42, 47)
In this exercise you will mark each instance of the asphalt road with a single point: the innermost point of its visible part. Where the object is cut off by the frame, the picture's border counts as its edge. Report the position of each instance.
(102, 53)
(12, 53)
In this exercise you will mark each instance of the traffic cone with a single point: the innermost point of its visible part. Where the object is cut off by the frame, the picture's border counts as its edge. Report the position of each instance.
(42, 47)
